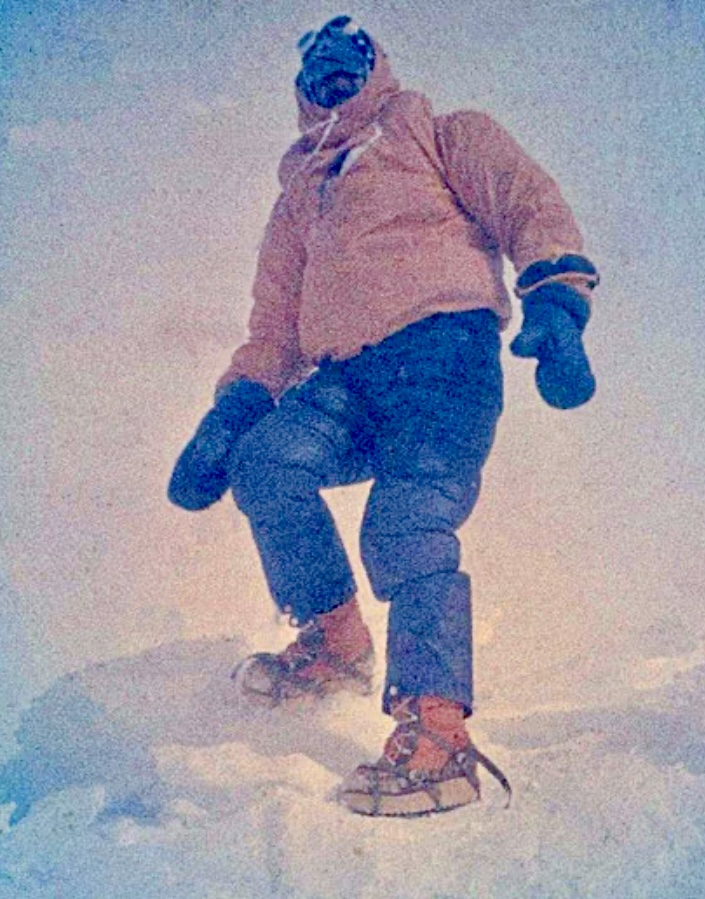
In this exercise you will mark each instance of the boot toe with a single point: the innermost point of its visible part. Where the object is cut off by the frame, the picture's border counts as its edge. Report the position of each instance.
(258, 675)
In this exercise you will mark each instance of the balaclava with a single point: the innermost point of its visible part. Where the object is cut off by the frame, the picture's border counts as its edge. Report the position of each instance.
(335, 62)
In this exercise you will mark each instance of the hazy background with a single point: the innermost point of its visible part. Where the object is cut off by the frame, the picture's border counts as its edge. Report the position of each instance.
(139, 149)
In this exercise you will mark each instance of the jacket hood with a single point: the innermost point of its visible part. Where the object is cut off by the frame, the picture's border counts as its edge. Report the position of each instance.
(354, 113)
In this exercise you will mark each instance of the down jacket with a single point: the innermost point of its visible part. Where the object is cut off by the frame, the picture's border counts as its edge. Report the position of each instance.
(388, 214)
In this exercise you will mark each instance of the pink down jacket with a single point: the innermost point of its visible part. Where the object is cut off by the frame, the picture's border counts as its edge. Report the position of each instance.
(388, 214)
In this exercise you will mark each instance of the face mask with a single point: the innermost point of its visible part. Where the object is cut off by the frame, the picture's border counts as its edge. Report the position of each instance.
(335, 62)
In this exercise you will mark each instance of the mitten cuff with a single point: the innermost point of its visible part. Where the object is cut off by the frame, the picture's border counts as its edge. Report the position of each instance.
(570, 269)
(244, 391)
(243, 403)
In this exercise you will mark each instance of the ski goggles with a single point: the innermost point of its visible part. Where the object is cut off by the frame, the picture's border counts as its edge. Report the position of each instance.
(340, 28)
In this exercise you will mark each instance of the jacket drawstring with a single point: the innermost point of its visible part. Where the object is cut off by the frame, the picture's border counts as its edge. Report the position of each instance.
(329, 125)
(348, 158)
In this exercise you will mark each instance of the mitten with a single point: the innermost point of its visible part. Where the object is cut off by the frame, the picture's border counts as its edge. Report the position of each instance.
(200, 476)
(555, 316)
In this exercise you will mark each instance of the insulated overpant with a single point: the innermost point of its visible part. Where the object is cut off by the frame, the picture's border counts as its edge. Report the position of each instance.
(416, 414)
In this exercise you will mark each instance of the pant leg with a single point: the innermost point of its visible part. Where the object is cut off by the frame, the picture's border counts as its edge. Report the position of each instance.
(436, 392)
(311, 441)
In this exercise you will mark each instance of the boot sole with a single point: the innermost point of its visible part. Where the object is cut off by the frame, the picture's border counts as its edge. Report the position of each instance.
(442, 796)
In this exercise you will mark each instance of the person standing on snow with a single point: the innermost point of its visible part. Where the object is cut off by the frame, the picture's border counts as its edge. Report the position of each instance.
(374, 354)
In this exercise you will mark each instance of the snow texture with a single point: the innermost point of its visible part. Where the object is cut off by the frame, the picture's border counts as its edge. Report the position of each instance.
(148, 776)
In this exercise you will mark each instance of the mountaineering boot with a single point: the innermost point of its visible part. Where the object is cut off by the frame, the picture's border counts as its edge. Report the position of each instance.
(429, 764)
(332, 652)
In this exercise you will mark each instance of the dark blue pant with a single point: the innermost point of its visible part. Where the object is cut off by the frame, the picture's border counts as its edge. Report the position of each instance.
(416, 413)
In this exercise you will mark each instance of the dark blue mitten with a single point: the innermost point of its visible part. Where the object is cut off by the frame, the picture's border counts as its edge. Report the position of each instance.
(555, 316)
(200, 476)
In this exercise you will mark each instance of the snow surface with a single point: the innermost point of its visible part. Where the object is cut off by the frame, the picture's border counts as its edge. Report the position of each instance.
(147, 776)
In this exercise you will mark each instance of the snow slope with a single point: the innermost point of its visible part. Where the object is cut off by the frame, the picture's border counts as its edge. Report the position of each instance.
(146, 776)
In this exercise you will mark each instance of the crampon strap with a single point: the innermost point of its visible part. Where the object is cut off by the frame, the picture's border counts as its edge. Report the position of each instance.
(493, 769)
(471, 752)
